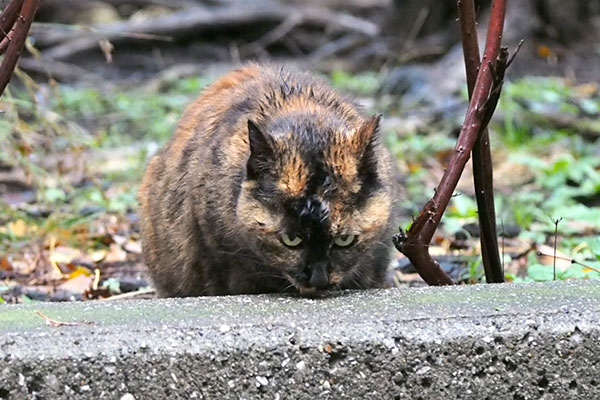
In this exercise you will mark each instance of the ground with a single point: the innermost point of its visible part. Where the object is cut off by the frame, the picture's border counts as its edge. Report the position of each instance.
(72, 155)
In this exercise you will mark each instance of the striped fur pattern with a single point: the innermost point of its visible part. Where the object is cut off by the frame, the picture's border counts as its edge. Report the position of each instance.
(263, 155)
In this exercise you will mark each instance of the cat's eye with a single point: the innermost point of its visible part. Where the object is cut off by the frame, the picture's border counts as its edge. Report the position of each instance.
(344, 240)
(291, 240)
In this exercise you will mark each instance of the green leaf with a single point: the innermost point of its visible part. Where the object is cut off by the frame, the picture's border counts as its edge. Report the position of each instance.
(54, 195)
(113, 285)
(463, 206)
(364, 83)
(540, 273)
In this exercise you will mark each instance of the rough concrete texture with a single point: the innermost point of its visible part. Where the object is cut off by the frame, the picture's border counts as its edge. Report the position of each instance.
(527, 341)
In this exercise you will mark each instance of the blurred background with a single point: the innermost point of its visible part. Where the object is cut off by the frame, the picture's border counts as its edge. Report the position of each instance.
(101, 85)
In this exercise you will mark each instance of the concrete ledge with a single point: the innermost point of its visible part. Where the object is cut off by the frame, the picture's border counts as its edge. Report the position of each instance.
(527, 341)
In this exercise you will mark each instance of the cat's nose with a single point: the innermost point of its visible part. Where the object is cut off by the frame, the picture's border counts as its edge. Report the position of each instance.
(318, 275)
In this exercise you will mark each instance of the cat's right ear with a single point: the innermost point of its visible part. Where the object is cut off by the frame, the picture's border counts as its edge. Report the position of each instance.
(260, 152)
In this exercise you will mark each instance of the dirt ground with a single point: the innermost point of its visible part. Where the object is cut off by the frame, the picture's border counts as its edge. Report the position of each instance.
(99, 255)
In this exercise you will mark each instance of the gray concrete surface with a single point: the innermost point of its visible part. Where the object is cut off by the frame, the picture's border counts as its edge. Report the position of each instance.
(527, 341)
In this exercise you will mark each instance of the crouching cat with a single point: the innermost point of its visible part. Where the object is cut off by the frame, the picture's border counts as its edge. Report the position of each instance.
(272, 182)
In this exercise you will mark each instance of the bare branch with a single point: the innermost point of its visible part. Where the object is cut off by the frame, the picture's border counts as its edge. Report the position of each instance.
(9, 15)
(483, 177)
(414, 244)
(22, 23)
(67, 41)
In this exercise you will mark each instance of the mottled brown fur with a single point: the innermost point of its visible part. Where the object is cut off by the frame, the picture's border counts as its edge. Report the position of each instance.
(264, 152)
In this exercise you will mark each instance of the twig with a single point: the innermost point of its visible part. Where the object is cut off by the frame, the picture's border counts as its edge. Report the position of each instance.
(57, 70)
(555, 222)
(416, 27)
(502, 236)
(514, 54)
(292, 21)
(56, 323)
(345, 43)
(9, 15)
(129, 295)
(6, 41)
(483, 177)
(571, 260)
(96, 280)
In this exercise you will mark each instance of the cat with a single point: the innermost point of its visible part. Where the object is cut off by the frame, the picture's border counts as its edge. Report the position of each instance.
(272, 182)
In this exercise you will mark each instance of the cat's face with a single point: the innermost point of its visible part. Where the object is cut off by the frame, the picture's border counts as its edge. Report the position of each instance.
(312, 205)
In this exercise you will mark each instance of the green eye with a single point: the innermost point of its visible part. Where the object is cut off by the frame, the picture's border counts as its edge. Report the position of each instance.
(291, 240)
(344, 240)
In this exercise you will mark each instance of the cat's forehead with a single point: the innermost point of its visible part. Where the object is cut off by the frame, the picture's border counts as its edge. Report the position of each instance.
(320, 176)
(326, 170)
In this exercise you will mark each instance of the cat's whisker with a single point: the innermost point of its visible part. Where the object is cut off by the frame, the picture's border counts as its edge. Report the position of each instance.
(285, 288)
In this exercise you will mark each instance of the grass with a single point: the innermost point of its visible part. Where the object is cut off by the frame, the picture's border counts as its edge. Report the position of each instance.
(83, 151)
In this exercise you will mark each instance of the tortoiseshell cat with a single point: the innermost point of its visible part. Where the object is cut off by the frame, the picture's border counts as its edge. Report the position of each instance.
(272, 182)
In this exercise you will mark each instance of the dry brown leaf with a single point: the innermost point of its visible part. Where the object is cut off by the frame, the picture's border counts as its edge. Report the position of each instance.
(517, 267)
(107, 47)
(133, 246)
(78, 284)
(586, 89)
(115, 254)
(119, 239)
(546, 257)
(64, 255)
(23, 267)
(544, 51)
(583, 227)
(98, 256)
(17, 228)
(5, 265)
(401, 277)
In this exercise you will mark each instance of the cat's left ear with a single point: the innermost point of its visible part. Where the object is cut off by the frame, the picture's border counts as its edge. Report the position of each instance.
(260, 152)
(367, 138)
(367, 134)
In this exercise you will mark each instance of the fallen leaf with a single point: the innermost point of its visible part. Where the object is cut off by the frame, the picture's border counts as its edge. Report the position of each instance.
(64, 255)
(120, 240)
(98, 256)
(401, 277)
(23, 267)
(5, 265)
(544, 51)
(586, 89)
(545, 255)
(517, 267)
(107, 48)
(78, 284)
(583, 227)
(79, 270)
(115, 254)
(17, 227)
(133, 246)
